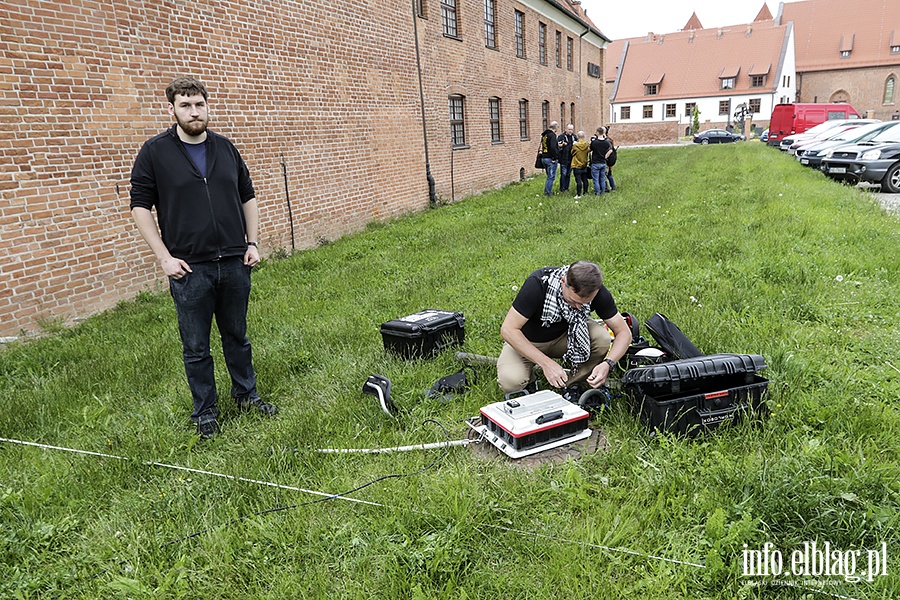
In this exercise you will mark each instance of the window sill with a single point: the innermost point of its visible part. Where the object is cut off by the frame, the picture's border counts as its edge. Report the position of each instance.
(463, 147)
(497, 142)
(453, 37)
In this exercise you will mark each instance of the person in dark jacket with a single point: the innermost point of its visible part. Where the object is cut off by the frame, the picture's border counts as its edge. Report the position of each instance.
(600, 149)
(566, 141)
(550, 155)
(206, 244)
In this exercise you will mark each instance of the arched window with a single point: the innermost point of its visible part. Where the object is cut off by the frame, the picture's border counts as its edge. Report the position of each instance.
(889, 90)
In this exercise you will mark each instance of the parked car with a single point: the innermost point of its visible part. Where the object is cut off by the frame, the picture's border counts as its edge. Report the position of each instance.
(812, 154)
(875, 161)
(764, 137)
(820, 131)
(717, 136)
(802, 143)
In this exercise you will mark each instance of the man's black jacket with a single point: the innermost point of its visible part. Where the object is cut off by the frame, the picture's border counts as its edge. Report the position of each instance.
(200, 218)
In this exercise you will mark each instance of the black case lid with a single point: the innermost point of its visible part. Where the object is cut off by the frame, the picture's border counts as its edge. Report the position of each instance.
(424, 321)
(693, 369)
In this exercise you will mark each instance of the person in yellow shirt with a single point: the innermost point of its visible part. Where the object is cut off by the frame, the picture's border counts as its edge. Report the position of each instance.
(580, 166)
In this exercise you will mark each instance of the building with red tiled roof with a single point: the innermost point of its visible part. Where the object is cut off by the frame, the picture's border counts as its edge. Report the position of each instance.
(847, 53)
(658, 79)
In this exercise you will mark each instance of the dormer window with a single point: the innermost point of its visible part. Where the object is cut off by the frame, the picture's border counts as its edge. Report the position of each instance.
(847, 45)
(758, 75)
(728, 77)
(652, 83)
(895, 49)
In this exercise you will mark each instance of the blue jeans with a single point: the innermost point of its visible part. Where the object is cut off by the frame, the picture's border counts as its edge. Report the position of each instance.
(549, 166)
(612, 182)
(565, 172)
(598, 174)
(221, 289)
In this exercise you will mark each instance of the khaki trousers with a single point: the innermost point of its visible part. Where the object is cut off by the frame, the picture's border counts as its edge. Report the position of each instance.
(514, 371)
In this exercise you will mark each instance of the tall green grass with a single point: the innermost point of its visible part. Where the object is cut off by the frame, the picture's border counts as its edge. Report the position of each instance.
(739, 245)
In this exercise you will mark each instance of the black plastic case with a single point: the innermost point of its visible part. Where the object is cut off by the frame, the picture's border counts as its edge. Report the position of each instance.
(424, 333)
(696, 394)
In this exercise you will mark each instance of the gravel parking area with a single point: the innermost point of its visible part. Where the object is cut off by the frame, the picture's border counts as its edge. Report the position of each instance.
(891, 202)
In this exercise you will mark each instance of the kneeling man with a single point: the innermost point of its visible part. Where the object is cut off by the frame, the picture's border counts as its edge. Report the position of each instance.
(550, 319)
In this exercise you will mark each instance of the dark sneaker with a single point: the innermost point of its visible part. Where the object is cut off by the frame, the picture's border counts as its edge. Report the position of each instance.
(208, 428)
(531, 388)
(255, 402)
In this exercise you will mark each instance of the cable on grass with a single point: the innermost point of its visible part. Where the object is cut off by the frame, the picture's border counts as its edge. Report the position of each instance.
(268, 511)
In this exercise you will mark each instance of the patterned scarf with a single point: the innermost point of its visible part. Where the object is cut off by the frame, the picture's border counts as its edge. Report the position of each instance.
(557, 309)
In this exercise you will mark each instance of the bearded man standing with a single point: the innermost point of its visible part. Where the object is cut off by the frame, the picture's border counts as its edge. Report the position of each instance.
(206, 244)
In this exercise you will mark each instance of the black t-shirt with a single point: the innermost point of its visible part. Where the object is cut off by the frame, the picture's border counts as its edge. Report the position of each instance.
(530, 304)
(599, 148)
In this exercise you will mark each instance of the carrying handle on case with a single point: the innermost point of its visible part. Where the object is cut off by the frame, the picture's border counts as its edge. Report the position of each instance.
(550, 416)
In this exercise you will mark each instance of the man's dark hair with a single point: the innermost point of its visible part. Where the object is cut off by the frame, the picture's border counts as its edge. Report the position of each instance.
(584, 277)
(185, 86)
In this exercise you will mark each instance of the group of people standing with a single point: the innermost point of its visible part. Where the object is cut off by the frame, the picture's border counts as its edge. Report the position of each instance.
(572, 155)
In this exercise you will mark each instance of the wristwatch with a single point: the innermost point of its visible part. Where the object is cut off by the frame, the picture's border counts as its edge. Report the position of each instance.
(611, 363)
(254, 244)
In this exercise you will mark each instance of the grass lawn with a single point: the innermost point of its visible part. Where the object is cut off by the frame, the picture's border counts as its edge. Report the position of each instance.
(740, 246)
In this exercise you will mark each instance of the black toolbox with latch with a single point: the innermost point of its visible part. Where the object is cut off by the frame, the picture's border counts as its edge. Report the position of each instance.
(425, 333)
(696, 394)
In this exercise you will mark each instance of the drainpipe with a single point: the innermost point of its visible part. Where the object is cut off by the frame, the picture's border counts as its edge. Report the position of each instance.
(580, 75)
(432, 197)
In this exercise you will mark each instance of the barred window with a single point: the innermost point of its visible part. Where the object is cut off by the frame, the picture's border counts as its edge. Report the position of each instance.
(458, 120)
(542, 44)
(449, 18)
(545, 115)
(490, 29)
(558, 49)
(889, 90)
(520, 34)
(420, 8)
(569, 53)
(494, 116)
(523, 119)
(572, 113)
(562, 114)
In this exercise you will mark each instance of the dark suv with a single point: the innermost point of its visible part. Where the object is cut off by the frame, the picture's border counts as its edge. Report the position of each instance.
(875, 161)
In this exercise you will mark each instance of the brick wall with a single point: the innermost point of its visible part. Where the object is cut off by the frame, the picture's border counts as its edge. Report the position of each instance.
(634, 134)
(864, 89)
(326, 91)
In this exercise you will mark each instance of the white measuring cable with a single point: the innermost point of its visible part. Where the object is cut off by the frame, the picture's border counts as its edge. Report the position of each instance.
(190, 470)
(381, 505)
(432, 446)
(338, 497)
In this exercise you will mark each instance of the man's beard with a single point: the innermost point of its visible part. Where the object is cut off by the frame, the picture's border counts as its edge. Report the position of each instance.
(193, 127)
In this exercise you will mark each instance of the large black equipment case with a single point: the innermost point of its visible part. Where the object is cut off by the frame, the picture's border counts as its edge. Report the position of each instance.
(696, 394)
(424, 333)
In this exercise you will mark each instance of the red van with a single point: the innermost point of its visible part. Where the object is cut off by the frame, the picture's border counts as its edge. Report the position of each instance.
(788, 119)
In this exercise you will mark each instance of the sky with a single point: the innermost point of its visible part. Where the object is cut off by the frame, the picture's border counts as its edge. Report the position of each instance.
(619, 19)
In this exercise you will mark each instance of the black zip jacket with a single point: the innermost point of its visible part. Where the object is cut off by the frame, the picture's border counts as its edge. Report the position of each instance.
(200, 218)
